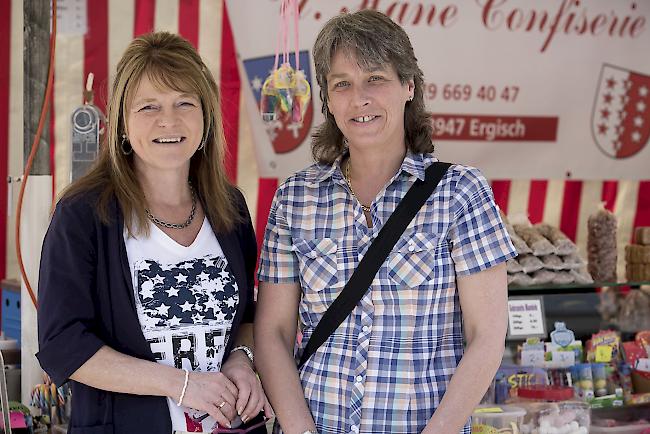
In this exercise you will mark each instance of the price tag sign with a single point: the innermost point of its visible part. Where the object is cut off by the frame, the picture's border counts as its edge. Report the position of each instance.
(562, 359)
(526, 317)
(489, 410)
(72, 17)
(532, 358)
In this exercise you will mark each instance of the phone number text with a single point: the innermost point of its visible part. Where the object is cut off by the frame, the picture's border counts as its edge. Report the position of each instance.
(467, 92)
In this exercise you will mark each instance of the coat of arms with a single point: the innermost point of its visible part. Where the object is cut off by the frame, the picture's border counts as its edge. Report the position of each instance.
(620, 121)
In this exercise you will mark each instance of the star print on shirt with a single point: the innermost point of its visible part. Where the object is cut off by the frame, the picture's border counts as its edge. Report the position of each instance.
(163, 309)
(146, 290)
(194, 292)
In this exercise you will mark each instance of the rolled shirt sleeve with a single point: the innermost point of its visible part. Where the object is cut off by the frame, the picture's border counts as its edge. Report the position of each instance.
(278, 262)
(478, 236)
(66, 315)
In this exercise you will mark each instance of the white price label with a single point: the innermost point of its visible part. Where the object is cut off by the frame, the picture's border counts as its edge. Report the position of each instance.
(72, 17)
(642, 365)
(562, 359)
(532, 358)
(525, 317)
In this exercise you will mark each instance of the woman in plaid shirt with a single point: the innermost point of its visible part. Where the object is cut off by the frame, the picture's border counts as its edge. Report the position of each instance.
(397, 363)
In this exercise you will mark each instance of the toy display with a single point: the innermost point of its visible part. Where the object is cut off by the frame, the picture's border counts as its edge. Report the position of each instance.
(286, 91)
(567, 383)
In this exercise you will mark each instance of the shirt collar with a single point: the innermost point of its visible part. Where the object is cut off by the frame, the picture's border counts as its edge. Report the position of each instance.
(324, 171)
(414, 164)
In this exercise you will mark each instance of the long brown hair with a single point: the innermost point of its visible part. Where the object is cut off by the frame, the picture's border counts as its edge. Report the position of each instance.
(372, 39)
(169, 61)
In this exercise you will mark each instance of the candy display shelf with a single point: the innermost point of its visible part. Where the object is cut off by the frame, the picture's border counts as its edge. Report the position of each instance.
(632, 411)
(572, 288)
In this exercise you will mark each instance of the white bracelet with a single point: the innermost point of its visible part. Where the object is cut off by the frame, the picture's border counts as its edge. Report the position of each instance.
(246, 351)
(187, 377)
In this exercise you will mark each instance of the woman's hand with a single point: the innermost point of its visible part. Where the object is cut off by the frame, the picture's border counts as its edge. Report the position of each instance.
(251, 398)
(212, 393)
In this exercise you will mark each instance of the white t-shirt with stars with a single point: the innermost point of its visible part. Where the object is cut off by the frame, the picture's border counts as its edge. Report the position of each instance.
(186, 300)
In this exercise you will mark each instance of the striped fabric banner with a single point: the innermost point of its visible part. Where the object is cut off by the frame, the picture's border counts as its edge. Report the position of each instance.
(5, 70)
(11, 129)
(568, 205)
(112, 24)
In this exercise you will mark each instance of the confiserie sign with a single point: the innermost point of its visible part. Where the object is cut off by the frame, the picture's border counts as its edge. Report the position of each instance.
(522, 89)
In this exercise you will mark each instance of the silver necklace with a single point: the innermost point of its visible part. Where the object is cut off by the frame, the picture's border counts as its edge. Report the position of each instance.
(347, 179)
(183, 225)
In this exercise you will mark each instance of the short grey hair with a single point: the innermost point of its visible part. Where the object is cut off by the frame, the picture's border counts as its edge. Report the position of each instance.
(373, 40)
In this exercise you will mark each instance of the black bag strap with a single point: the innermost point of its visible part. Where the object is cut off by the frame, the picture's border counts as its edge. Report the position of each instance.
(377, 253)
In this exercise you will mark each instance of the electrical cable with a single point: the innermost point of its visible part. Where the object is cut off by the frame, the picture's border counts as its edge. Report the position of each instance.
(32, 154)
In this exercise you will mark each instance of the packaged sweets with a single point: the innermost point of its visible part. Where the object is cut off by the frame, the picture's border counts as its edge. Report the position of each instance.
(517, 241)
(509, 378)
(634, 312)
(562, 278)
(604, 346)
(550, 409)
(530, 263)
(600, 379)
(563, 245)
(542, 277)
(601, 246)
(637, 272)
(513, 266)
(493, 419)
(536, 241)
(584, 381)
(552, 262)
(520, 279)
(636, 254)
(572, 262)
(642, 235)
(581, 276)
(643, 338)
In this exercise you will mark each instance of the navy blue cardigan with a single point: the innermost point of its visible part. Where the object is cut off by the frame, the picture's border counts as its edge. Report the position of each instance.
(86, 301)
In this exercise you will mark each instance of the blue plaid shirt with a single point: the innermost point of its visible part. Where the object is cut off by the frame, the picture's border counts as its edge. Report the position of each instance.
(387, 366)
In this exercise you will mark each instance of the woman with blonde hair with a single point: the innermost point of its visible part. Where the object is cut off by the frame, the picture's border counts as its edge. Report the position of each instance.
(146, 277)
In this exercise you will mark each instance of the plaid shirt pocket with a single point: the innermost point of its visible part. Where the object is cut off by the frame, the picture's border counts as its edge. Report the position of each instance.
(412, 263)
(319, 272)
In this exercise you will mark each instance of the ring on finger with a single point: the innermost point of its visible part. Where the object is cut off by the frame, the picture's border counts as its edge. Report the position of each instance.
(220, 406)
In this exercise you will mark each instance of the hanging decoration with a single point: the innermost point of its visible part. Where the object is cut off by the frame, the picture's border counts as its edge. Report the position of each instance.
(286, 91)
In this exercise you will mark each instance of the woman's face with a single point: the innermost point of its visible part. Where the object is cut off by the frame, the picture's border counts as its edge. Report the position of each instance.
(368, 106)
(164, 126)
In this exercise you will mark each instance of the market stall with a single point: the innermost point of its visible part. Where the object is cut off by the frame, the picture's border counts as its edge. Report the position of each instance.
(549, 99)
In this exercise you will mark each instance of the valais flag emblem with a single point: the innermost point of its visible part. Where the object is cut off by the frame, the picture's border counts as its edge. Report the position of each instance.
(621, 119)
(285, 135)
